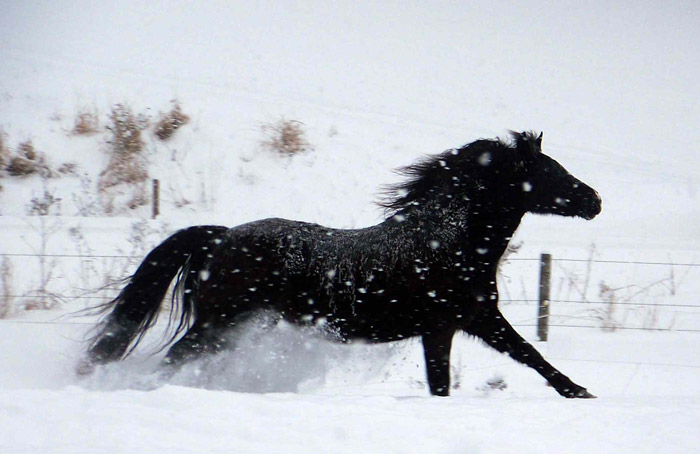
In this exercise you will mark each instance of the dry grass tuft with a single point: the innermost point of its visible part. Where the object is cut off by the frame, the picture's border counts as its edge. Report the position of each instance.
(28, 161)
(286, 137)
(4, 150)
(20, 166)
(169, 122)
(26, 149)
(86, 123)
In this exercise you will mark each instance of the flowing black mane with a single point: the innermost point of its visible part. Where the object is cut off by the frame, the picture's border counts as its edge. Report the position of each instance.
(435, 172)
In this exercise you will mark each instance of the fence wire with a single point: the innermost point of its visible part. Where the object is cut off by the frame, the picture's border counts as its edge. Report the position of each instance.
(526, 301)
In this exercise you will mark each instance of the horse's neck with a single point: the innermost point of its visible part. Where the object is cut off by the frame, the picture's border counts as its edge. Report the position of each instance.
(478, 228)
(490, 230)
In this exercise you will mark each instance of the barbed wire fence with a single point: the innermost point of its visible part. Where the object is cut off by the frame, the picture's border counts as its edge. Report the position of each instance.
(103, 284)
(569, 313)
(612, 308)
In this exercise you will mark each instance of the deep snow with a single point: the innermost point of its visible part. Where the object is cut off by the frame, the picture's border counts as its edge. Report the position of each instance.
(367, 399)
(613, 87)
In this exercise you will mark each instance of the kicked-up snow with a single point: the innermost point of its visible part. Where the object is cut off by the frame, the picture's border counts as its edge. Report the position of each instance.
(290, 392)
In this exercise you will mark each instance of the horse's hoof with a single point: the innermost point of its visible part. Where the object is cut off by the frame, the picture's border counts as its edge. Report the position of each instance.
(440, 392)
(587, 395)
(576, 393)
(584, 394)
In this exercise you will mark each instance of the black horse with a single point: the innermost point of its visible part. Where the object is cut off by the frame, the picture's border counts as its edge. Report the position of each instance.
(428, 270)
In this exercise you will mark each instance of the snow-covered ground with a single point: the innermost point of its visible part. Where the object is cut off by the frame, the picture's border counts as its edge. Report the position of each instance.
(352, 399)
(613, 87)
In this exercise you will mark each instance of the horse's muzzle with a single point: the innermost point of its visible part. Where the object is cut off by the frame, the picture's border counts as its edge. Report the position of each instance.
(594, 208)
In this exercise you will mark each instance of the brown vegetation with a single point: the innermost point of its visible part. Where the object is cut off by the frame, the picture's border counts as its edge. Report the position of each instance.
(126, 164)
(4, 150)
(169, 122)
(20, 166)
(86, 123)
(27, 161)
(286, 137)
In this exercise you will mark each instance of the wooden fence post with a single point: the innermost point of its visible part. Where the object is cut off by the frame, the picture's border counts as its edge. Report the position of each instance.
(156, 198)
(543, 312)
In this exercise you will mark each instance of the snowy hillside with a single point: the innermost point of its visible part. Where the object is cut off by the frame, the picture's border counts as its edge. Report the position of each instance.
(374, 87)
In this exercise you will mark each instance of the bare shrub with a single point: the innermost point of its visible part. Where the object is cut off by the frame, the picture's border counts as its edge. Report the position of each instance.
(169, 122)
(45, 205)
(6, 292)
(4, 150)
(126, 131)
(126, 164)
(47, 209)
(606, 315)
(285, 137)
(86, 123)
(85, 200)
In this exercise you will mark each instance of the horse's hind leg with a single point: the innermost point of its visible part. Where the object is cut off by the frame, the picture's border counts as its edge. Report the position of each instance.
(495, 330)
(436, 349)
(199, 340)
(204, 339)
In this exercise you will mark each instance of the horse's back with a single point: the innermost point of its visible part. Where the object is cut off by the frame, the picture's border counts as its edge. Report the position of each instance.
(252, 264)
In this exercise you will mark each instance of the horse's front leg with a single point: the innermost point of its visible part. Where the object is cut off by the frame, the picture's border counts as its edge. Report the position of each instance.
(436, 349)
(495, 330)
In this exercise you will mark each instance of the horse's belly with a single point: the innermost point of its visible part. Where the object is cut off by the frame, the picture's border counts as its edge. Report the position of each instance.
(371, 320)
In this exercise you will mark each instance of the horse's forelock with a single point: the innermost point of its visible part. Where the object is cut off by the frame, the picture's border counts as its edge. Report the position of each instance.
(527, 141)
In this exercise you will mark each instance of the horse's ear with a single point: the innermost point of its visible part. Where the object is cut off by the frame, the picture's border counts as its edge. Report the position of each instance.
(538, 142)
(526, 144)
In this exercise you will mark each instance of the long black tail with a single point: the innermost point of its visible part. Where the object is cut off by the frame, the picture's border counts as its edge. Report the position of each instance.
(136, 308)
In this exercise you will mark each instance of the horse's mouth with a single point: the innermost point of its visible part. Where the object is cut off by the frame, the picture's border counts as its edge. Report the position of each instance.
(595, 206)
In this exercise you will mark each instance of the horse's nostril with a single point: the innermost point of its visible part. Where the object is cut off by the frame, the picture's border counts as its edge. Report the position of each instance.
(596, 206)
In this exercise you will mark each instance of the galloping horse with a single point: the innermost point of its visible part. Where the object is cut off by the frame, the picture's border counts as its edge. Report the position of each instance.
(428, 270)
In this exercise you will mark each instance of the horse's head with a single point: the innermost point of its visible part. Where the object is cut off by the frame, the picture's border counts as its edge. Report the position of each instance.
(547, 187)
(513, 177)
